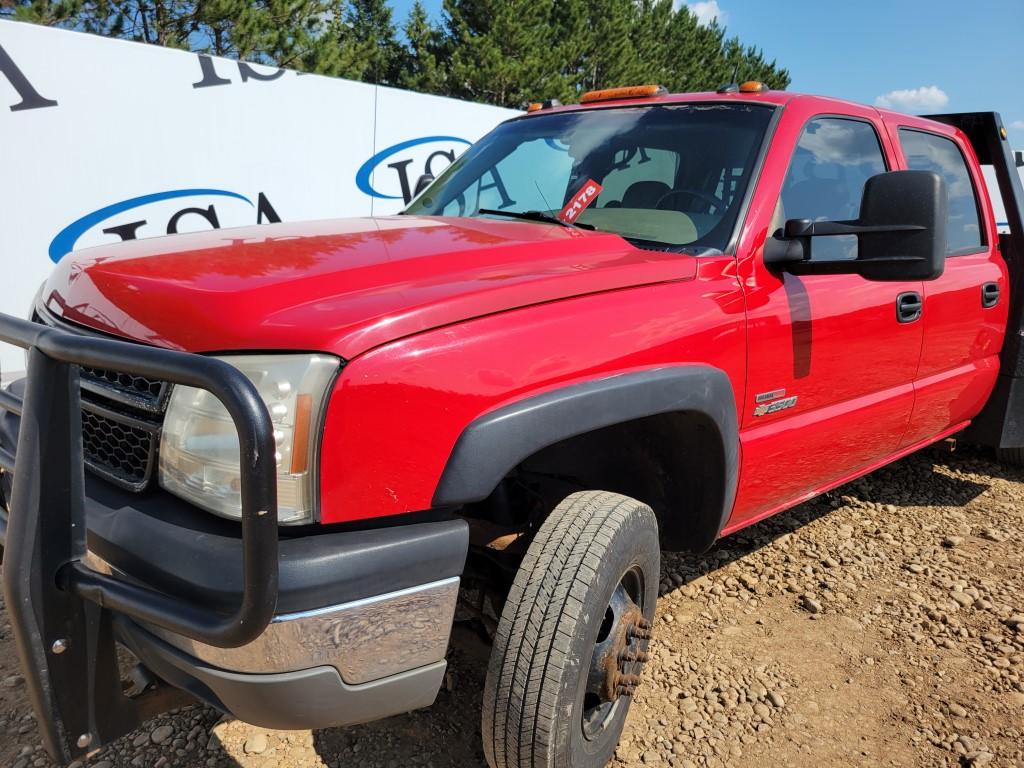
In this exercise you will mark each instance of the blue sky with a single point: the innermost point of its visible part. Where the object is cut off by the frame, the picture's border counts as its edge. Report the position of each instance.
(914, 56)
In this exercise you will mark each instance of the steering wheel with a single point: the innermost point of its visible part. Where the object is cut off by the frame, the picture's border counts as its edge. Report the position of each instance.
(712, 200)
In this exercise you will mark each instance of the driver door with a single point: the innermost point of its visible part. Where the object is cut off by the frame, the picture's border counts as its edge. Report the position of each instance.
(831, 361)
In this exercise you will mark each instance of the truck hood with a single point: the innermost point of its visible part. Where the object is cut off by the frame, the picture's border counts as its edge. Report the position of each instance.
(341, 286)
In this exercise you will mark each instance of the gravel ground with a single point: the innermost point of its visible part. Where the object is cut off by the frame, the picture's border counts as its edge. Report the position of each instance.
(882, 624)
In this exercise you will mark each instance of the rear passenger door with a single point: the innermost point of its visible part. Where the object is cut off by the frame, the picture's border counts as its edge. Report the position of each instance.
(965, 310)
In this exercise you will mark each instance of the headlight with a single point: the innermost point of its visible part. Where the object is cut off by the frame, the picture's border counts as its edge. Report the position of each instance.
(199, 454)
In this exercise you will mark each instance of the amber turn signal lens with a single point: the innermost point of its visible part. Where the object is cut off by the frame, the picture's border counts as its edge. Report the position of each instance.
(628, 92)
(300, 449)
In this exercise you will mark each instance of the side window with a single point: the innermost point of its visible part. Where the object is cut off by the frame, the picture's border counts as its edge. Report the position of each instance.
(833, 159)
(929, 152)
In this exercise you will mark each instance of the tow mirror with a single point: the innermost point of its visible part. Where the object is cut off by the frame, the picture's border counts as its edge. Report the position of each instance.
(422, 183)
(901, 232)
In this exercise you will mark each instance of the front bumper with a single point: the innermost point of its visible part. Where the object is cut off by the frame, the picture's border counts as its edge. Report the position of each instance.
(277, 628)
(281, 691)
(307, 698)
(338, 665)
(365, 640)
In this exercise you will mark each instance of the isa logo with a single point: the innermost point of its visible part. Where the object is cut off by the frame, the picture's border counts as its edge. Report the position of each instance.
(391, 174)
(162, 213)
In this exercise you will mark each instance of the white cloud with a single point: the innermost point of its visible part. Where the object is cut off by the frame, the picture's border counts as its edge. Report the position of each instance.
(923, 99)
(1017, 125)
(706, 11)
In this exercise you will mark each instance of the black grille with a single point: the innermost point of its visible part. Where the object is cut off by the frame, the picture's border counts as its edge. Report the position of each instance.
(118, 449)
(126, 383)
(122, 415)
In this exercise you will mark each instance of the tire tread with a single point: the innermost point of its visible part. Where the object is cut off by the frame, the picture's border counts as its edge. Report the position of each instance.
(533, 640)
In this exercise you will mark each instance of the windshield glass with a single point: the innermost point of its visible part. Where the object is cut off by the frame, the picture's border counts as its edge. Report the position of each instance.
(671, 176)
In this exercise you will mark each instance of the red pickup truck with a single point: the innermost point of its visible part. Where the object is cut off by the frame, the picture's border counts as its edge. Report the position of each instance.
(641, 322)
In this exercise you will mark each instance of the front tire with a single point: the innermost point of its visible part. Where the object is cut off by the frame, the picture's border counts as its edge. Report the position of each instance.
(573, 636)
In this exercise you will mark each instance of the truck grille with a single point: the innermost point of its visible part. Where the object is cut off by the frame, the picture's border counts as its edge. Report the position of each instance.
(148, 390)
(122, 415)
(119, 451)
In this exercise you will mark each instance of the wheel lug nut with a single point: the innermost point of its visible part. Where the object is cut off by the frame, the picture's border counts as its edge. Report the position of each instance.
(630, 656)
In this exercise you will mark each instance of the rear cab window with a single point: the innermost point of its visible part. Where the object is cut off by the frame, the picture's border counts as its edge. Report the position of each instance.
(930, 152)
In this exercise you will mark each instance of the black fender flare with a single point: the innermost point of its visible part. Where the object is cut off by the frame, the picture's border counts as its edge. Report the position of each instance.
(493, 444)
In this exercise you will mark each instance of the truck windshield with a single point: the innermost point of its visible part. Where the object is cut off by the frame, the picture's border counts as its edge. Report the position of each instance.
(670, 176)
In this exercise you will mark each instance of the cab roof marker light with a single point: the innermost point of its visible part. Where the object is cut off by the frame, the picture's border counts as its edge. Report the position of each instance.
(750, 86)
(546, 104)
(628, 92)
(753, 86)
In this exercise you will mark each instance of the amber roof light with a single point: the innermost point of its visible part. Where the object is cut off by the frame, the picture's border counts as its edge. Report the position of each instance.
(546, 104)
(750, 86)
(628, 92)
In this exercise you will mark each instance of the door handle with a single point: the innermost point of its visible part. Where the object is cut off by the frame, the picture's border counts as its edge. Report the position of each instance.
(909, 306)
(989, 295)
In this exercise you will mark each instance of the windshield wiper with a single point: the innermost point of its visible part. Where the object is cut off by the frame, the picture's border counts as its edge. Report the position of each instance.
(535, 216)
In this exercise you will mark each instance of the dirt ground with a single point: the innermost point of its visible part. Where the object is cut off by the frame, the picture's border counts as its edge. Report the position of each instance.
(882, 624)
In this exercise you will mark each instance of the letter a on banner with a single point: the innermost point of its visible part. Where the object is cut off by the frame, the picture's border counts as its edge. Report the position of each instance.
(30, 97)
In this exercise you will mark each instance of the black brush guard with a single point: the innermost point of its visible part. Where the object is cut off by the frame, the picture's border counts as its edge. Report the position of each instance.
(61, 611)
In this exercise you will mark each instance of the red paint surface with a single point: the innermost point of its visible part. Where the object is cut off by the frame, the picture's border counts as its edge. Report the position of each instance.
(338, 286)
(399, 409)
(443, 320)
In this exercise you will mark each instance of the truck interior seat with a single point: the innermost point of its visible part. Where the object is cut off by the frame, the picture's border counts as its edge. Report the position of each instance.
(644, 194)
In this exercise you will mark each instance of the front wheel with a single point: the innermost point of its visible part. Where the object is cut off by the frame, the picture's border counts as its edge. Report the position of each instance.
(573, 636)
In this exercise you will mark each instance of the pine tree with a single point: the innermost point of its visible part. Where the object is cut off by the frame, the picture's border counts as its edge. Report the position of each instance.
(570, 22)
(695, 51)
(500, 50)
(47, 12)
(655, 59)
(374, 54)
(611, 57)
(421, 68)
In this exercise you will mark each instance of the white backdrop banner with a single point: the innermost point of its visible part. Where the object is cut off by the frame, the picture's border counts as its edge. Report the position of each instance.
(106, 140)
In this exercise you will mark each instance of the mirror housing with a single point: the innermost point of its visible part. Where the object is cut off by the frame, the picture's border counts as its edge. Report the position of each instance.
(901, 232)
(422, 183)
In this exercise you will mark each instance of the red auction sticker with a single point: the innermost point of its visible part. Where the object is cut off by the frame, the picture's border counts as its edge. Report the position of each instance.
(588, 193)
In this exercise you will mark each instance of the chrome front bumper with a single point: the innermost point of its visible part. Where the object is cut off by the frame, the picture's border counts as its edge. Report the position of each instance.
(364, 640)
